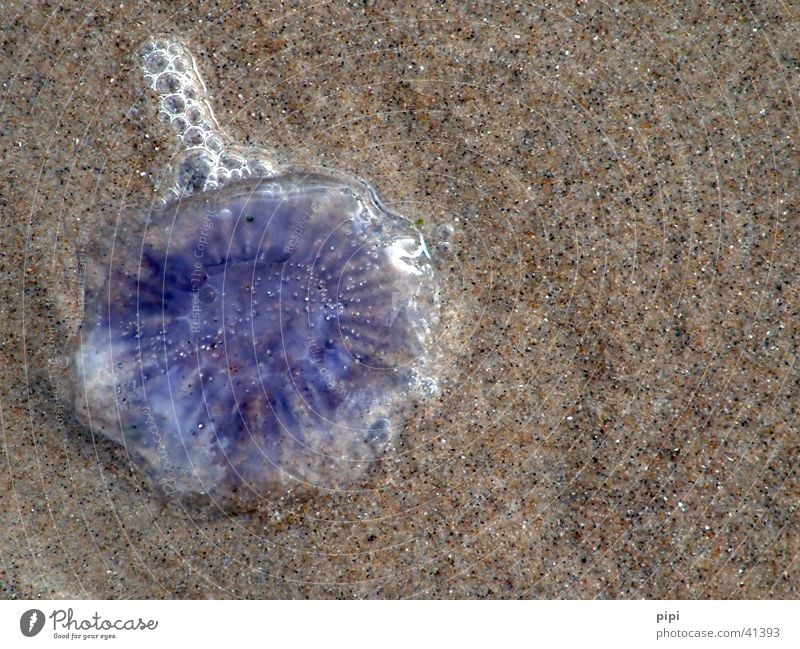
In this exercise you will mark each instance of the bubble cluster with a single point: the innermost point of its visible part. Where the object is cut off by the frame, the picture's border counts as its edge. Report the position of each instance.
(209, 158)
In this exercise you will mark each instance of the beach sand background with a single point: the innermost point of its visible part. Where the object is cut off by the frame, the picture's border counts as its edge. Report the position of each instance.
(619, 414)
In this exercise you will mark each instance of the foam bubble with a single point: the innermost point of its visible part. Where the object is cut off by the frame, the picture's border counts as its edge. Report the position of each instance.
(209, 156)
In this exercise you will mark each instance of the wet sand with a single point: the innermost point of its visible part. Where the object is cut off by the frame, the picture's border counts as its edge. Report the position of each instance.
(619, 415)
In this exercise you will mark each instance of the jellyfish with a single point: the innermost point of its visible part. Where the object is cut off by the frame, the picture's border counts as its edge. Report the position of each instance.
(263, 329)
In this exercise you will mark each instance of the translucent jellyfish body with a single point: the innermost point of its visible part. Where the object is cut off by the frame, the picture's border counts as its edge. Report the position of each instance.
(257, 336)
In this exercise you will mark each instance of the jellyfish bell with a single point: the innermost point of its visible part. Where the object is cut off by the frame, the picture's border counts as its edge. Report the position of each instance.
(269, 335)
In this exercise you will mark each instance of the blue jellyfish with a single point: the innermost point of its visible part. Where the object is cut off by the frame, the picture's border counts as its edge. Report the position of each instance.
(262, 329)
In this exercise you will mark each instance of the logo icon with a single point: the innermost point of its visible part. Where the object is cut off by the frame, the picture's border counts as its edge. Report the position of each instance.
(31, 622)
